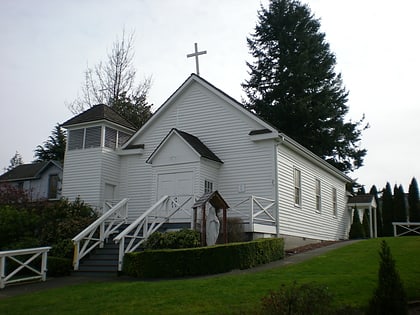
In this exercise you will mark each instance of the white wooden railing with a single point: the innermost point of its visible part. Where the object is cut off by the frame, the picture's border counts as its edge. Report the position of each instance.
(96, 233)
(407, 228)
(13, 255)
(149, 222)
(261, 210)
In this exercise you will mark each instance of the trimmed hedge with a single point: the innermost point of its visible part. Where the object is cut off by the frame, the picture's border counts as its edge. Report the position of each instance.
(58, 266)
(202, 260)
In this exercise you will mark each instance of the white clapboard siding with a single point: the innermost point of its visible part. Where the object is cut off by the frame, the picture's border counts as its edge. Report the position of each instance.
(85, 172)
(306, 221)
(223, 129)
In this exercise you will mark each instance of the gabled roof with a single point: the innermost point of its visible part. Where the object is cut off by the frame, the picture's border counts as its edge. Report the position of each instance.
(98, 113)
(192, 141)
(266, 128)
(28, 171)
(361, 201)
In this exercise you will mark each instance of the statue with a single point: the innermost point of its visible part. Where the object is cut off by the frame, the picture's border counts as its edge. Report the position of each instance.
(213, 226)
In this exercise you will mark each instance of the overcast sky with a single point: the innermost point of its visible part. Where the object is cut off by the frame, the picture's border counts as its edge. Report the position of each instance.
(47, 45)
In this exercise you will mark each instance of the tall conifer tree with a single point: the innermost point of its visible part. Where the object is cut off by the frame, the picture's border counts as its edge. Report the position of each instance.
(293, 85)
(387, 211)
(413, 201)
(374, 192)
(400, 208)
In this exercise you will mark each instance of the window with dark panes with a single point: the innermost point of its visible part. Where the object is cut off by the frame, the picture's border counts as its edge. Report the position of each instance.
(110, 138)
(75, 139)
(93, 137)
(53, 187)
(122, 138)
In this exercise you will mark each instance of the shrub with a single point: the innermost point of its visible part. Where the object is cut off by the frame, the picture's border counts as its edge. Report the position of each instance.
(305, 299)
(389, 297)
(356, 229)
(235, 230)
(173, 240)
(202, 260)
(58, 266)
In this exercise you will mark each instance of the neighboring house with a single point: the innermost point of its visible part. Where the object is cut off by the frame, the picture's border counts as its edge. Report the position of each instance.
(201, 140)
(40, 180)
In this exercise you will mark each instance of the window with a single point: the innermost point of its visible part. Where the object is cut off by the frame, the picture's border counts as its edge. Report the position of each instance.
(298, 187)
(334, 201)
(110, 138)
(317, 195)
(75, 139)
(122, 138)
(53, 187)
(93, 137)
(208, 187)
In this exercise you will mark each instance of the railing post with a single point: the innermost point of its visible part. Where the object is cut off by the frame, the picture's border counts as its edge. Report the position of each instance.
(76, 256)
(121, 253)
(44, 266)
(101, 234)
(2, 271)
(395, 229)
(251, 219)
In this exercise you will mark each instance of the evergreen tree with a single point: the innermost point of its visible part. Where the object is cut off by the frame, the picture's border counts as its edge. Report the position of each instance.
(366, 223)
(389, 297)
(413, 201)
(387, 211)
(400, 209)
(374, 192)
(356, 229)
(54, 148)
(293, 85)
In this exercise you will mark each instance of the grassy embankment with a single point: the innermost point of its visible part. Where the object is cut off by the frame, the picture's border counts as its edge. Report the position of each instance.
(349, 272)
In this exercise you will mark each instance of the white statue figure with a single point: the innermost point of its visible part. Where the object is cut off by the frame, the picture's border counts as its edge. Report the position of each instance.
(213, 225)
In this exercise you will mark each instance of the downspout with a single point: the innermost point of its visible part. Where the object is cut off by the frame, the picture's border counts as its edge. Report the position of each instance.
(276, 187)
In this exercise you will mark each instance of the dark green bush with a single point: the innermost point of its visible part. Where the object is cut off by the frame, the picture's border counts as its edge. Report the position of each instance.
(202, 260)
(58, 266)
(356, 229)
(305, 299)
(173, 240)
(389, 296)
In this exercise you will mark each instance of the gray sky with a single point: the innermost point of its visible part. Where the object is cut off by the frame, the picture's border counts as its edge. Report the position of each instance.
(46, 45)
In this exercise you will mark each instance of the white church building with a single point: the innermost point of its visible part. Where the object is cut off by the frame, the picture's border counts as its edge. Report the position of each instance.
(202, 140)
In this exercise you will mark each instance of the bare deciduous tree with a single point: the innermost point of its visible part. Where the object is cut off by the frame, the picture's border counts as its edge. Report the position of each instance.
(114, 80)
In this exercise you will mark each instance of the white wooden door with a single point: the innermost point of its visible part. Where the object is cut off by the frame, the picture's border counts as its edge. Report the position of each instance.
(180, 186)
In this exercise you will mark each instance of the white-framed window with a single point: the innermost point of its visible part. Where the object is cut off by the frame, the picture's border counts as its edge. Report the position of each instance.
(318, 195)
(208, 187)
(93, 137)
(53, 186)
(298, 186)
(334, 201)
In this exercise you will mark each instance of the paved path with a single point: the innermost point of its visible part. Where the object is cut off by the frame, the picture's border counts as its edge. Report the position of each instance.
(52, 283)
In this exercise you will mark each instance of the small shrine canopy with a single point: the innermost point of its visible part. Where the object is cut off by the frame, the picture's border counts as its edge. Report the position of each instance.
(363, 202)
(217, 201)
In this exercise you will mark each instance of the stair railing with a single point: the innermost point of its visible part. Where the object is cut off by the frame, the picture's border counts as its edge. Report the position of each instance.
(149, 222)
(96, 233)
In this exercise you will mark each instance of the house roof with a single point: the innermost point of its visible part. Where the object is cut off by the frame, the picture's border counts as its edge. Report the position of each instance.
(199, 147)
(97, 113)
(266, 128)
(361, 200)
(27, 171)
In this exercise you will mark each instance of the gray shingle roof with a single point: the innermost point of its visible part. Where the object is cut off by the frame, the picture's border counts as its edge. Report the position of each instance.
(26, 171)
(199, 146)
(360, 199)
(96, 113)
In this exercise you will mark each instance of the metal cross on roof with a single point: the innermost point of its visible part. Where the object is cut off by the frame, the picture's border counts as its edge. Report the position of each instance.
(196, 54)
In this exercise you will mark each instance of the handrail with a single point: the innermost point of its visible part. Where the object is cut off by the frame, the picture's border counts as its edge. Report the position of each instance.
(146, 224)
(406, 226)
(41, 274)
(105, 225)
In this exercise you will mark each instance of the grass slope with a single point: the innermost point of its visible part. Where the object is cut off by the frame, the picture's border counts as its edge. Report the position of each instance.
(349, 272)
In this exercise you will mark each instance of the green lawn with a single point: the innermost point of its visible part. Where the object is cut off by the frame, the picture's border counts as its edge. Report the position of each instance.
(349, 272)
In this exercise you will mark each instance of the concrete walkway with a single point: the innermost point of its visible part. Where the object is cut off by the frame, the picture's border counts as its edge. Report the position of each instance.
(52, 283)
